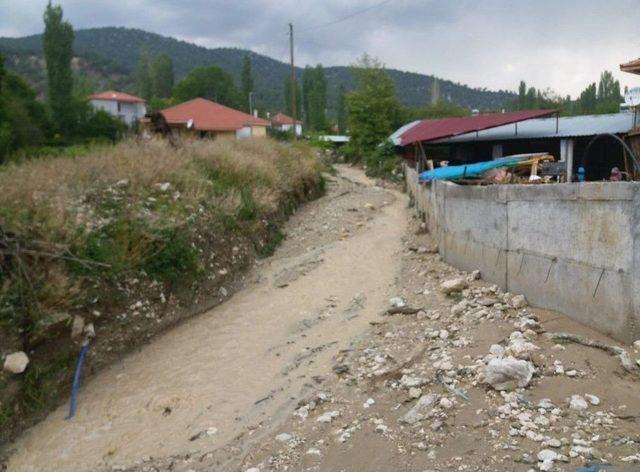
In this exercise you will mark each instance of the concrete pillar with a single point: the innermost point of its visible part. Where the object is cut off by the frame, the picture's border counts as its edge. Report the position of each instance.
(566, 155)
(496, 151)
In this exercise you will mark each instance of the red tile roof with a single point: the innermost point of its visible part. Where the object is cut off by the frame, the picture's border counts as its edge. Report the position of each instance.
(430, 130)
(210, 116)
(115, 96)
(282, 119)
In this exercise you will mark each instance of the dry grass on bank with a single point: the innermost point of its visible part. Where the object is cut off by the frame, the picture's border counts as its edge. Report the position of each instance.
(92, 235)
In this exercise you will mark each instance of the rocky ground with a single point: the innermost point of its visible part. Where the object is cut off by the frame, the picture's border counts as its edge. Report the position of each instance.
(451, 374)
(457, 375)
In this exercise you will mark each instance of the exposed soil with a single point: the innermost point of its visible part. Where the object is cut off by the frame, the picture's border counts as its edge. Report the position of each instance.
(304, 370)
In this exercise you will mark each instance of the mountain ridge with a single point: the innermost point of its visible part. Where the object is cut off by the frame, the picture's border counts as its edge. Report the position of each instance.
(110, 55)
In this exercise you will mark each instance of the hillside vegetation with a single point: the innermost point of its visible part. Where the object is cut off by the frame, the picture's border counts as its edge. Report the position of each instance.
(110, 56)
(129, 238)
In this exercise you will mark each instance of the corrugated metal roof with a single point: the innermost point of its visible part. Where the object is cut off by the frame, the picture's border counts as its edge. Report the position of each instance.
(568, 126)
(430, 130)
(395, 137)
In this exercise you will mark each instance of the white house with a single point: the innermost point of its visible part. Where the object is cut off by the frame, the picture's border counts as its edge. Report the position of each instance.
(126, 107)
(283, 122)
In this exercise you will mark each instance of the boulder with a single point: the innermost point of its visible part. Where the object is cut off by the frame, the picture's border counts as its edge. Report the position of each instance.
(454, 285)
(16, 363)
(508, 373)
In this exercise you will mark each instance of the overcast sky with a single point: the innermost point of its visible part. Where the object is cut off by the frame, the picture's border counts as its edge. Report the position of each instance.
(561, 44)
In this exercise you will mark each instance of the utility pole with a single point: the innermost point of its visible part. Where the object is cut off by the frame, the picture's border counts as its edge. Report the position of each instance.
(294, 89)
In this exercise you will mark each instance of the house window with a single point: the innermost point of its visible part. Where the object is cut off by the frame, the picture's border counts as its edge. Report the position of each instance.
(119, 107)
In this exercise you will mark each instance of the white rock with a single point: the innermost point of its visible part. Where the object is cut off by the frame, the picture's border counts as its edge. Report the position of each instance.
(459, 308)
(578, 403)
(453, 285)
(314, 452)
(417, 413)
(636, 345)
(519, 301)
(475, 275)
(415, 392)
(508, 373)
(553, 442)
(446, 403)
(283, 437)
(368, 403)
(212, 431)
(571, 373)
(496, 350)
(592, 399)
(409, 381)
(252, 469)
(328, 417)
(547, 455)
(16, 363)
(397, 302)
(77, 327)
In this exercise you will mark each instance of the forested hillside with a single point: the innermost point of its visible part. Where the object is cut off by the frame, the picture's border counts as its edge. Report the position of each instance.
(108, 57)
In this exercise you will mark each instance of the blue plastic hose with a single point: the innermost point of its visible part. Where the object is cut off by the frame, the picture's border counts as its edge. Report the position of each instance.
(76, 379)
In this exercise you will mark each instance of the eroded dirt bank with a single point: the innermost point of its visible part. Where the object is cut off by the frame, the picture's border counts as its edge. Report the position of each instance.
(234, 371)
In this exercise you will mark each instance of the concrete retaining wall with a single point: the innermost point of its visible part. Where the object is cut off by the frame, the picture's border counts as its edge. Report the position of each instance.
(573, 248)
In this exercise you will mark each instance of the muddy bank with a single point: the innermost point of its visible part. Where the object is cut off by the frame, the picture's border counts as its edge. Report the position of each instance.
(131, 256)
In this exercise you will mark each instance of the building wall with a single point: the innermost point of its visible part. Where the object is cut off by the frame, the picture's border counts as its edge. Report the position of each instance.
(129, 112)
(573, 248)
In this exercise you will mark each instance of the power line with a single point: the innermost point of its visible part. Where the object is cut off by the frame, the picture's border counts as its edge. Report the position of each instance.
(347, 17)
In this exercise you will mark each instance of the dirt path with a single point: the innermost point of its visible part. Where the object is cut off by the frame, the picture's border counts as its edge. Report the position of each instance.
(229, 374)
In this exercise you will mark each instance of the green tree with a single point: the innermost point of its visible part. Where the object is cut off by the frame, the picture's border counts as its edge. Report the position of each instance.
(341, 109)
(373, 109)
(210, 82)
(144, 86)
(287, 98)
(609, 96)
(588, 100)
(57, 43)
(440, 109)
(522, 95)
(162, 78)
(314, 97)
(246, 82)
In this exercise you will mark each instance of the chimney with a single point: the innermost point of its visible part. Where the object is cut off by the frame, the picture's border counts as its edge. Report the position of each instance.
(255, 112)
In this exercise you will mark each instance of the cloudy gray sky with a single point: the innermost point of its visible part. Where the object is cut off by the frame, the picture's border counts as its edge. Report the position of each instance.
(561, 44)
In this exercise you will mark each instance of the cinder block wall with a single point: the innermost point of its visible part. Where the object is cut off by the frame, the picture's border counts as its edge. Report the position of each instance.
(573, 248)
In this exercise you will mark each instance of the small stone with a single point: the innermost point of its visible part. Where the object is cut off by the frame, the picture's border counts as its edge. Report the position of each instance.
(409, 381)
(314, 452)
(578, 403)
(397, 302)
(446, 403)
(368, 403)
(283, 437)
(547, 455)
(571, 373)
(417, 413)
(519, 301)
(212, 431)
(77, 326)
(555, 443)
(16, 363)
(453, 285)
(592, 399)
(475, 275)
(636, 345)
(415, 392)
(328, 417)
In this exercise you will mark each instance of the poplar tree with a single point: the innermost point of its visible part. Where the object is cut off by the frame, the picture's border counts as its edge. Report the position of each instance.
(144, 86)
(341, 109)
(246, 81)
(162, 76)
(57, 44)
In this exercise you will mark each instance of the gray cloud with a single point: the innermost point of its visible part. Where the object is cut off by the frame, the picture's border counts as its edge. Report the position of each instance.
(560, 44)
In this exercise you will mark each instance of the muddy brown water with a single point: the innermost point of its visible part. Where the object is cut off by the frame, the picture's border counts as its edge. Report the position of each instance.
(246, 362)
